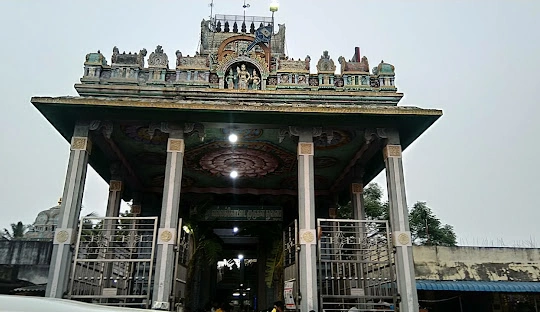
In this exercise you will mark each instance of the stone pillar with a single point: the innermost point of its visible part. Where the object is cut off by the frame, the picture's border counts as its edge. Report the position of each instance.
(307, 226)
(164, 276)
(357, 199)
(399, 221)
(115, 191)
(115, 198)
(69, 213)
(113, 210)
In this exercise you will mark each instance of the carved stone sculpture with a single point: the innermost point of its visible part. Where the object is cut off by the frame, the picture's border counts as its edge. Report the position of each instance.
(326, 64)
(256, 81)
(230, 80)
(243, 77)
(158, 59)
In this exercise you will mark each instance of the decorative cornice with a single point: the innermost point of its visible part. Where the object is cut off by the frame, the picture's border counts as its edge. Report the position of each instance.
(246, 106)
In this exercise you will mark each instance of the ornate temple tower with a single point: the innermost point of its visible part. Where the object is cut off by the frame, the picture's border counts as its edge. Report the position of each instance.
(309, 138)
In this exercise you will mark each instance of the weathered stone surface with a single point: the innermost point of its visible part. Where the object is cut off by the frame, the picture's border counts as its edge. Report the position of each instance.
(477, 263)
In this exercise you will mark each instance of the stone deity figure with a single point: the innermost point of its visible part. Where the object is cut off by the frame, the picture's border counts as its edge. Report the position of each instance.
(230, 80)
(256, 81)
(243, 77)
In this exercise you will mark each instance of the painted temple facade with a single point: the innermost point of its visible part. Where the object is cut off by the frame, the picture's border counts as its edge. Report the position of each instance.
(310, 136)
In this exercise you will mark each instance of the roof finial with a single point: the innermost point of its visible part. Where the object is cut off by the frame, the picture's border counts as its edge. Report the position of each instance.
(245, 6)
(211, 5)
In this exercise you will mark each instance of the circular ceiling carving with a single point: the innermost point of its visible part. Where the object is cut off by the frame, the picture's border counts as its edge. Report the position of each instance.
(249, 159)
(247, 162)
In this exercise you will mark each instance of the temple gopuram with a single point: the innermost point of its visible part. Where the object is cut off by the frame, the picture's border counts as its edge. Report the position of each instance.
(235, 161)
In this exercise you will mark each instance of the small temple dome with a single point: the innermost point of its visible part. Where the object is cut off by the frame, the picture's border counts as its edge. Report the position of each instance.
(45, 223)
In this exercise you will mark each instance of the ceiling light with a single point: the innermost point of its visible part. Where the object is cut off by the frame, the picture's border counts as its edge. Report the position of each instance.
(233, 138)
(235, 229)
(234, 174)
(186, 229)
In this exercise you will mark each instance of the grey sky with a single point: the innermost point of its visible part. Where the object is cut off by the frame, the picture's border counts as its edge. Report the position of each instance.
(477, 60)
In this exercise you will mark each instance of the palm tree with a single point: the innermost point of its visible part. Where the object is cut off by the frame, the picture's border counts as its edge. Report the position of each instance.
(17, 231)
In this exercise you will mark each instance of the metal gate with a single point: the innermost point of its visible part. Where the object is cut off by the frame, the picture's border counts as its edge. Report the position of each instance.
(183, 244)
(113, 261)
(356, 265)
(290, 265)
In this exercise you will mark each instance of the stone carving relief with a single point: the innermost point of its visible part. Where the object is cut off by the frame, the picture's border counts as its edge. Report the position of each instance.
(194, 62)
(258, 62)
(135, 59)
(243, 78)
(294, 66)
(158, 59)
(326, 64)
(357, 67)
(272, 81)
(313, 81)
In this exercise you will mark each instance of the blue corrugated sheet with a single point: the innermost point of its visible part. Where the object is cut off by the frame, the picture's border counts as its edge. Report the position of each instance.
(514, 287)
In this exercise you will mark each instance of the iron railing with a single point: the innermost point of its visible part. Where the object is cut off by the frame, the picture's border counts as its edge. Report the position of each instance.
(113, 261)
(356, 265)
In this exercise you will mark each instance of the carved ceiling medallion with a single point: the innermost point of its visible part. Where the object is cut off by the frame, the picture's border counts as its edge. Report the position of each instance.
(249, 159)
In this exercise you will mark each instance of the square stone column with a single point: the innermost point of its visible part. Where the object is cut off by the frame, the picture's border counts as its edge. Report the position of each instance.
(115, 198)
(113, 210)
(399, 221)
(72, 196)
(164, 277)
(357, 198)
(307, 226)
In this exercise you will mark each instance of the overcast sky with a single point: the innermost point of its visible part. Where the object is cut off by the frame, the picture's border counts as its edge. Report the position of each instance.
(478, 61)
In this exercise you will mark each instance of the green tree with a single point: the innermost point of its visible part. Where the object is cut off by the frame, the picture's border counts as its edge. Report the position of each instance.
(376, 209)
(17, 231)
(427, 229)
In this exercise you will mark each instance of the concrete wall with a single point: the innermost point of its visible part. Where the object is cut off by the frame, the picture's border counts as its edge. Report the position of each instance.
(25, 260)
(477, 263)
(25, 252)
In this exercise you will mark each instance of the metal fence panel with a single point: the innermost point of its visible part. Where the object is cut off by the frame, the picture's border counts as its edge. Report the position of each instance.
(113, 261)
(356, 265)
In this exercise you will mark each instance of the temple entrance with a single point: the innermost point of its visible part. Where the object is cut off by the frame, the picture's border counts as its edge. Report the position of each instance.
(236, 251)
